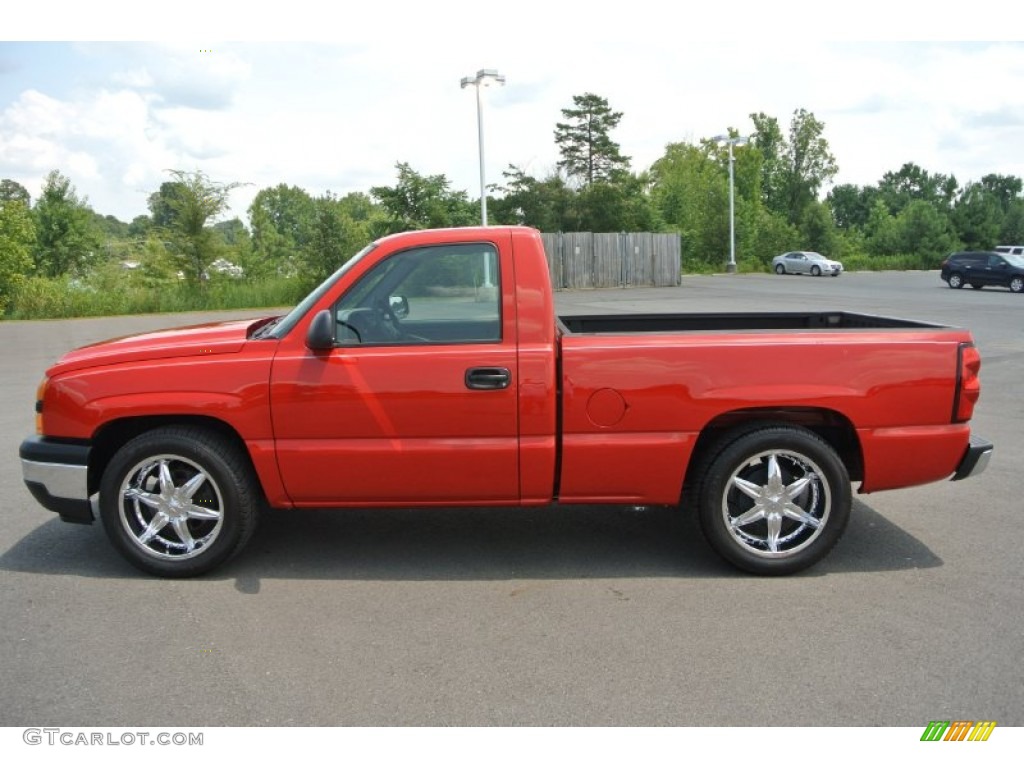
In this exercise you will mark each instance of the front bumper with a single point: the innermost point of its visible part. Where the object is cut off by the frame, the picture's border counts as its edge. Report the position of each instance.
(56, 473)
(975, 459)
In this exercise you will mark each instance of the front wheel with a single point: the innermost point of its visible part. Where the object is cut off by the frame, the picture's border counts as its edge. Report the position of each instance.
(779, 269)
(178, 501)
(775, 500)
(1017, 284)
(816, 270)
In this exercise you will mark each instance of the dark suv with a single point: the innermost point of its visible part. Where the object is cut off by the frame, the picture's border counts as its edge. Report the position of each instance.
(980, 268)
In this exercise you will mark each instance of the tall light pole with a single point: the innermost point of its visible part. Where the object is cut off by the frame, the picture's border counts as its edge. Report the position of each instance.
(483, 78)
(732, 141)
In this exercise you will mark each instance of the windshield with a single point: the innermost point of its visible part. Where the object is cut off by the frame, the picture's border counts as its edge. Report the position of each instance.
(286, 323)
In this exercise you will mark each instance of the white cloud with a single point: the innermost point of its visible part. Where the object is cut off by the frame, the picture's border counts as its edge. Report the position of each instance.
(339, 116)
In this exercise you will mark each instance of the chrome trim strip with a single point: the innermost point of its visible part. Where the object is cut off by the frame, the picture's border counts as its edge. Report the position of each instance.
(64, 481)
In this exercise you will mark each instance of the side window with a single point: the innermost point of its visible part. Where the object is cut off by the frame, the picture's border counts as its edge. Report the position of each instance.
(447, 294)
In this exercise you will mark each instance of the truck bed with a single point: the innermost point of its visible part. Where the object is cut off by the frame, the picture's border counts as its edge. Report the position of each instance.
(732, 321)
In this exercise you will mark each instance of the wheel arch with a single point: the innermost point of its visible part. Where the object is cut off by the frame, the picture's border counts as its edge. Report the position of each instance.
(111, 436)
(831, 426)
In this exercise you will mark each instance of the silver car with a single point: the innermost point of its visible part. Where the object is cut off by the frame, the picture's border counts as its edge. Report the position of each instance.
(805, 263)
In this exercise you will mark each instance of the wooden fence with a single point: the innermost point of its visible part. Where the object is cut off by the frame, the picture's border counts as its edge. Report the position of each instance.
(615, 260)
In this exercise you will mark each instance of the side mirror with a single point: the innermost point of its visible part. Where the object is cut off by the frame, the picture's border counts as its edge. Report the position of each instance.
(399, 306)
(320, 335)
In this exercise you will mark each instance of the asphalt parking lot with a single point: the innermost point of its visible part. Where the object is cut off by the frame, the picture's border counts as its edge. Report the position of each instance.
(562, 616)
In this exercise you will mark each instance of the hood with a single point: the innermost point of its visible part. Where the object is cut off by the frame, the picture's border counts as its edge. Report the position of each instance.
(192, 341)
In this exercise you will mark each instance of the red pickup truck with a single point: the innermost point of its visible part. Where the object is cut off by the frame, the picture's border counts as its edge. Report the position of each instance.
(431, 370)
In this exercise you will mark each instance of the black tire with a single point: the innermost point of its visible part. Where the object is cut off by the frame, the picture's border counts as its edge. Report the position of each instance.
(816, 270)
(1017, 284)
(179, 501)
(780, 269)
(791, 485)
(956, 280)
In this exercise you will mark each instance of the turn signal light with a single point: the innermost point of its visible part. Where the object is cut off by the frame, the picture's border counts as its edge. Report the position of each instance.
(40, 396)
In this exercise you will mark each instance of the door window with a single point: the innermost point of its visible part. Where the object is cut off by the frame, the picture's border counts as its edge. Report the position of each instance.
(435, 295)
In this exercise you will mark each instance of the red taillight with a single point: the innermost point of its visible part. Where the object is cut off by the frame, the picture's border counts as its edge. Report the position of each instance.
(968, 384)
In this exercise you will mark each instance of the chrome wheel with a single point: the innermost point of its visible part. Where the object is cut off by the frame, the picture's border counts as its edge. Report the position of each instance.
(956, 280)
(1017, 284)
(773, 499)
(179, 500)
(170, 507)
(776, 504)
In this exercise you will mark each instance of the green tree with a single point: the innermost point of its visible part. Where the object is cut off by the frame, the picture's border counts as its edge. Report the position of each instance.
(422, 202)
(12, 190)
(770, 142)
(17, 235)
(793, 169)
(1012, 231)
(280, 218)
(164, 202)
(911, 182)
(621, 206)
(691, 195)
(140, 226)
(584, 141)
(809, 165)
(817, 228)
(1006, 189)
(548, 205)
(978, 217)
(880, 232)
(196, 202)
(333, 236)
(66, 236)
(925, 232)
(851, 205)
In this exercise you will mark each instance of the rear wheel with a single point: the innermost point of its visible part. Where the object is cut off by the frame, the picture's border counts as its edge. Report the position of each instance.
(780, 269)
(1017, 284)
(956, 280)
(178, 501)
(774, 500)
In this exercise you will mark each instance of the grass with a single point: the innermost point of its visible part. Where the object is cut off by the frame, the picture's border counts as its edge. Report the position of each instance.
(43, 298)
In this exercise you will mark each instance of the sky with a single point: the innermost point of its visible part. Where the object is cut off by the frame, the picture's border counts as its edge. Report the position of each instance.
(330, 98)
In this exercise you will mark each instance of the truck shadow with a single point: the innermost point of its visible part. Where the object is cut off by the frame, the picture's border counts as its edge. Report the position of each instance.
(471, 544)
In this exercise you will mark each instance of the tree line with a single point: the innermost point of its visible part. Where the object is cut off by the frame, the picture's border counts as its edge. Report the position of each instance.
(910, 218)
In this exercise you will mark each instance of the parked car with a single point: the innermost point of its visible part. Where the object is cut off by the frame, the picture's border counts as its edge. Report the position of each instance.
(805, 263)
(980, 268)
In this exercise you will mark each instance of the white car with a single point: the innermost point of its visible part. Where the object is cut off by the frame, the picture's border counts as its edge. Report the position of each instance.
(805, 263)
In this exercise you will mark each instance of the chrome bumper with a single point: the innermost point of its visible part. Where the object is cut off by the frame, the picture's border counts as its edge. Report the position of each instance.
(57, 475)
(975, 459)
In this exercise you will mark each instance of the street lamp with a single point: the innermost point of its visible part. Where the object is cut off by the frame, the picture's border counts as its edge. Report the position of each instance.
(483, 78)
(732, 141)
